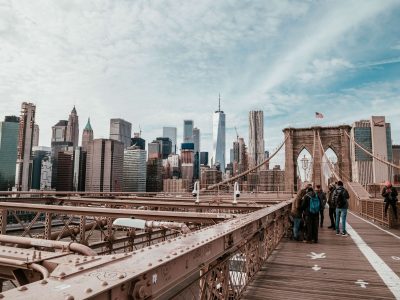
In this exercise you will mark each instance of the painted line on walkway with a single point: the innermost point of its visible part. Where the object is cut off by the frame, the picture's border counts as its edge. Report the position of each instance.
(389, 277)
(380, 228)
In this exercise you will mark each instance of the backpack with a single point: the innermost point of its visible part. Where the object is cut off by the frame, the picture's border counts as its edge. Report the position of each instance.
(339, 198)
(314, 204)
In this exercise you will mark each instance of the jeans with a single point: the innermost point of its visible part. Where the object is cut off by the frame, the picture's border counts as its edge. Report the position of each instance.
(332, 216)
(321, 215)
(296, 227)
(341, 212)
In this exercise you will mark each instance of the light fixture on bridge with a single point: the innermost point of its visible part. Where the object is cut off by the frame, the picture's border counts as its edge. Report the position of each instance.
(304, 165)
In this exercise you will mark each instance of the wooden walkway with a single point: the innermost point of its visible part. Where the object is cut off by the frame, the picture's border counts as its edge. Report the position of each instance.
(335, 268)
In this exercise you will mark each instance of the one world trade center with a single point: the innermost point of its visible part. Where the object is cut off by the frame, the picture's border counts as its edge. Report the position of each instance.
(218, 136)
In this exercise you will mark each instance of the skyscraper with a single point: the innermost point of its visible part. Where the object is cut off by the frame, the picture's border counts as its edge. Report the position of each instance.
(73, 128)
(121, 130)
(59, 143)
(154, 150)
(24, 155)
(35, 136)
(38, 154)
(375, 136)
(218, 137)
(79, 179)
(196, 139)
(134, 170)
(256, 138)
(87, 135)
(8, 151)
(104, 166)
(171, 132)
(204, 158)
(166, 146)
(138, 141)
(187, 131)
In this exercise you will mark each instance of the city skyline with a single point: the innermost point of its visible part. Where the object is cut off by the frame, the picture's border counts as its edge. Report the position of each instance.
(278, 58)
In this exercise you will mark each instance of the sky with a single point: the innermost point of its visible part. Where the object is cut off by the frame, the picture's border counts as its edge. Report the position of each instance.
(156, 63)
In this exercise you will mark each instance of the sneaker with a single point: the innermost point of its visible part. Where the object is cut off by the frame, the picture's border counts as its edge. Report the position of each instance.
(330, 227)
(344, 233)
(337, 233)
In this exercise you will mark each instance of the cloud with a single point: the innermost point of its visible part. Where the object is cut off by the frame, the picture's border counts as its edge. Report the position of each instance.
(155, 63)
(321, 69)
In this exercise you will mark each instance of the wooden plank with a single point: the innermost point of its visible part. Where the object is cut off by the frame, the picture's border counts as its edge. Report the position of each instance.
(289, 273)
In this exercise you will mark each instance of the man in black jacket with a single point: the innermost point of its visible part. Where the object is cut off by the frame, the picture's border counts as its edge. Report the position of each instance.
(311, 206)
(322, 196)
(341, 199)
(332, 206)
(390, 195)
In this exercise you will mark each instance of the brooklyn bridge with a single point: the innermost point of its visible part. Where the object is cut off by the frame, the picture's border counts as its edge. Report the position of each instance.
(223, 243)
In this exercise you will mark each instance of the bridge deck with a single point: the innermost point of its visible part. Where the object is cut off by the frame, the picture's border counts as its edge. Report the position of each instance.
(291, 273)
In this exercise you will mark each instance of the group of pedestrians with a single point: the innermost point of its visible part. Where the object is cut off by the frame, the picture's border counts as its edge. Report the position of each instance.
(308, 210)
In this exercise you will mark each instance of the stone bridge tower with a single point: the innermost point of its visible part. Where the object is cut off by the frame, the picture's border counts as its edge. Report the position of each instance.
(307, 138)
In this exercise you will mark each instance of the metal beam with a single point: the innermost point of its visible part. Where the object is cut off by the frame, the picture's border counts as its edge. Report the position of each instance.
(208, 218)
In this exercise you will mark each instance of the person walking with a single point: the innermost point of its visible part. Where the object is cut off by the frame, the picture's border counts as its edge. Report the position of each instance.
(332, 207)
(390, 198)
(322, 196)
(297, 212)
(311, 206)
(341, 199)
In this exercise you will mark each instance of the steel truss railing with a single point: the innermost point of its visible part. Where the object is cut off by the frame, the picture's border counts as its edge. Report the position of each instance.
(216, 262)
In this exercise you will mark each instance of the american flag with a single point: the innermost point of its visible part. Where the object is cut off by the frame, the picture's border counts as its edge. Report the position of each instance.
(319, 115)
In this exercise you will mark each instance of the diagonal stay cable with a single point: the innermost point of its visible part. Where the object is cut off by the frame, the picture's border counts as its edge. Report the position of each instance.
(371, 154)
(249, 170)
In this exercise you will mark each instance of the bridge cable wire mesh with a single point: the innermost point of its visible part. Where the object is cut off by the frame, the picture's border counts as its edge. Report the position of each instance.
(249, 170)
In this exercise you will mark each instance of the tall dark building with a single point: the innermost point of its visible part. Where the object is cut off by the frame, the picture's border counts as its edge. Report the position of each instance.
(154, 182)
(204, 158)
(79, 176)
(65, 172)
(138, 141)
(8, 151)
(166, 146)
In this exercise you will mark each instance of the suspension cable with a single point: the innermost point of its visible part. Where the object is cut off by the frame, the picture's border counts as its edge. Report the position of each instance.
(369, 153)
(249, 170)
(330, 164)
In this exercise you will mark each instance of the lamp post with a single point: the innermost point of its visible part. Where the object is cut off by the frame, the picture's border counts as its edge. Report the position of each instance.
(304, 166)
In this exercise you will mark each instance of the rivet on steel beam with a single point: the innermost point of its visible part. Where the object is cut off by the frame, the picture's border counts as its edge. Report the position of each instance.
(1, 296)
(104, 283)
(121, 276)
(126, 254)
(70, 261)
(22, 288)
(150, 264)
(113, 257)
(142, 250)
(157, 245)
(167, 256)
(149, 248)
(44, 281)
(69, 297)
(88, 290)
(62, 274)
(174, 253)
(80, 268)
(160, 260)
(181, 250)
